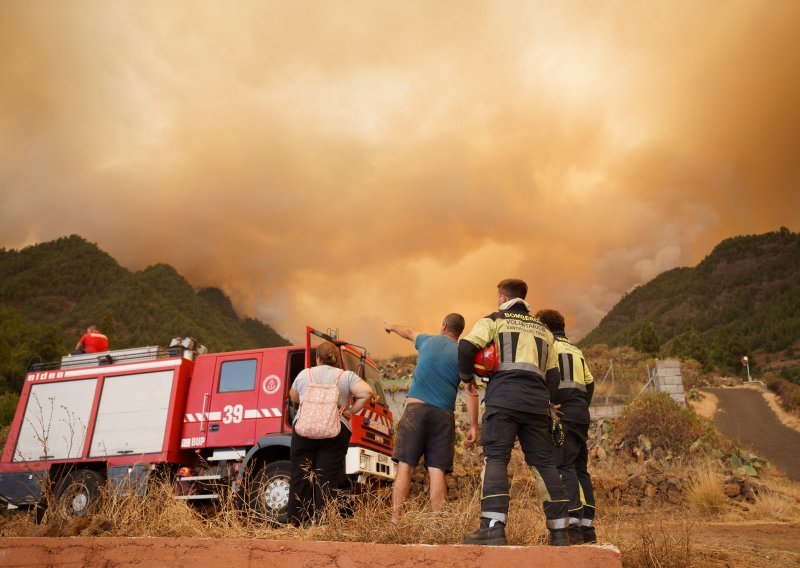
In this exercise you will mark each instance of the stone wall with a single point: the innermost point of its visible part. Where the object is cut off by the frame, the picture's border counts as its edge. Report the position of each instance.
(669, 380)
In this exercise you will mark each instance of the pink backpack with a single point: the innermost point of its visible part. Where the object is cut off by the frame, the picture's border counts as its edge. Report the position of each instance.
(319, 411)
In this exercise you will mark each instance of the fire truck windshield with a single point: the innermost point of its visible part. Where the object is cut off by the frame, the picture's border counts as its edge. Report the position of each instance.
(371, 375)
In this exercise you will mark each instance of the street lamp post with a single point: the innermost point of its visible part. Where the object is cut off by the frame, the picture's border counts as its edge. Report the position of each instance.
(746, 363)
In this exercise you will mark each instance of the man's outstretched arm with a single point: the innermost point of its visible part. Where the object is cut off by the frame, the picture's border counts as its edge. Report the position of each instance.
(401, 330)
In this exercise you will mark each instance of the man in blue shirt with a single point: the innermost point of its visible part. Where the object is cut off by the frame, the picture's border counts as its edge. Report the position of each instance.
(427, 427)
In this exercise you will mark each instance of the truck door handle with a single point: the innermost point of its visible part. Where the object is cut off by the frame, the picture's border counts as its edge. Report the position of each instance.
(203, 414)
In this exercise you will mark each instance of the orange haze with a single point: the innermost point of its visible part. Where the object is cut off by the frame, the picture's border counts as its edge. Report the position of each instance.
(340, 163)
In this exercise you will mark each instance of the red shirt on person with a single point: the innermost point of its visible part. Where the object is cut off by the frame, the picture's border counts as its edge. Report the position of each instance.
(94, 342)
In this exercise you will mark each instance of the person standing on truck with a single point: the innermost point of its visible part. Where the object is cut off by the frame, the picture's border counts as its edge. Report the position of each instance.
(91, 342)
(427, 427)
(317, 465)
(517, 406)
(574, 397)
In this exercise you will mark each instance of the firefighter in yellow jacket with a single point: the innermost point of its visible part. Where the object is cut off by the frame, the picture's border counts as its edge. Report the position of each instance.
(575, 390)
(517, 406)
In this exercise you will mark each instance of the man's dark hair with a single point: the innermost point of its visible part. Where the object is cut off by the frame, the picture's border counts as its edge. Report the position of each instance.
(455, 323)
(513, 288)
(552, 319)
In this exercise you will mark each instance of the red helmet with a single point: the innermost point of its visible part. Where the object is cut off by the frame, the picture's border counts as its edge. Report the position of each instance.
(486, 361)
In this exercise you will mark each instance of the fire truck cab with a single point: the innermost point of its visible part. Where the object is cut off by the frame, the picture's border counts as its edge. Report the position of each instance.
(218, 422)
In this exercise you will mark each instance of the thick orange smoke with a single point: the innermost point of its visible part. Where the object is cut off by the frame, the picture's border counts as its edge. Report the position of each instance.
(342, 163)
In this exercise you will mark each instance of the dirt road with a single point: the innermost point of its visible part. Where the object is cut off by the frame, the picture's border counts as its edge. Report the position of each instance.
(743, 415)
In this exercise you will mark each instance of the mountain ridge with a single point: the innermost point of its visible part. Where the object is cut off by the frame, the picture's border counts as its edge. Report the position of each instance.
(743, 298)
(49, 292)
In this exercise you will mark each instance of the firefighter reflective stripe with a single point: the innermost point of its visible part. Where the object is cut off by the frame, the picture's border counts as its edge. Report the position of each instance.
(543, 350)
(520, 366)
(494, 516)
(249, 413)
(565, 362)
(572, 366)
(508, 346)
(557, 524)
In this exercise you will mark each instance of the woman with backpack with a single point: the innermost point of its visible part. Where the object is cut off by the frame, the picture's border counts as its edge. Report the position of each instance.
(327, 396)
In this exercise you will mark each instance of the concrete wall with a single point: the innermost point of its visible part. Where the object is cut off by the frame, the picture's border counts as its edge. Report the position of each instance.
(669, 380)
(598, 410)
(245, 553)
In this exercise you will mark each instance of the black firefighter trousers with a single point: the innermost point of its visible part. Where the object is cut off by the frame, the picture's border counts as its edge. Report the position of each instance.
(501, 427)
(571, 461)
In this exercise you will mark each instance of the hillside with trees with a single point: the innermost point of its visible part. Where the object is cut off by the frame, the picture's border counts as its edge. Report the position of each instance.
(51, 291)
(742, 299)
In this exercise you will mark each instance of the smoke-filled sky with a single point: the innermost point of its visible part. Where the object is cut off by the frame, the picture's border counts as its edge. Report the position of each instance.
(340, 163)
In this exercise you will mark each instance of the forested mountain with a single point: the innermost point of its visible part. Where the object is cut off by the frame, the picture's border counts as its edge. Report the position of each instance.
(742, 299)
(51, 291)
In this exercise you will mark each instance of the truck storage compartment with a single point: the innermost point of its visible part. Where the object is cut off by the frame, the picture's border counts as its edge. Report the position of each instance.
(55, 421)
(132, 414)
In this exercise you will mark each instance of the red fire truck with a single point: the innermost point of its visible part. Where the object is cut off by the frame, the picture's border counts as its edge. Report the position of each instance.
(215, 421)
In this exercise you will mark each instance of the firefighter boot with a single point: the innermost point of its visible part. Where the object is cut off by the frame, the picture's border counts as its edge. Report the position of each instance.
(589, 535)
(575, 534)
(559, 537)
(488, 535)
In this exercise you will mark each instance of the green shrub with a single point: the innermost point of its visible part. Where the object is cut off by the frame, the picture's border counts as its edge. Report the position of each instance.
(8, 406)
(665, 424)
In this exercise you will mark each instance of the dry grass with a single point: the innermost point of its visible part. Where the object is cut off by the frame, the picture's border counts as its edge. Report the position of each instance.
(705, 492)
(772, 506)
(777, 500)
(158, 514)
(787, 419)
(657, 545)
(706, 406)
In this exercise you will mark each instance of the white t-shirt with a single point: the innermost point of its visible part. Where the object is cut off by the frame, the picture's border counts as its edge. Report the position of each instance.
(326, 375)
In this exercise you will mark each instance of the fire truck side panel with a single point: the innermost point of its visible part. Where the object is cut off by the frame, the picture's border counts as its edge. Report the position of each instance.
(19, 416)
(55, 422)
(132, 414)
(74, 401)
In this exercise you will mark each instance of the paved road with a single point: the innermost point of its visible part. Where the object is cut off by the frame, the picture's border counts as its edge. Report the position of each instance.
(744, 416)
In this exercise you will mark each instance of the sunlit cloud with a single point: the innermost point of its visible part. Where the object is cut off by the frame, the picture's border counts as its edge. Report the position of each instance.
(336, 164)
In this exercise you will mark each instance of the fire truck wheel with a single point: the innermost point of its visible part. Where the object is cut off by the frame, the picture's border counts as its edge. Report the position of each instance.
(269, 493)
(79, 492)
